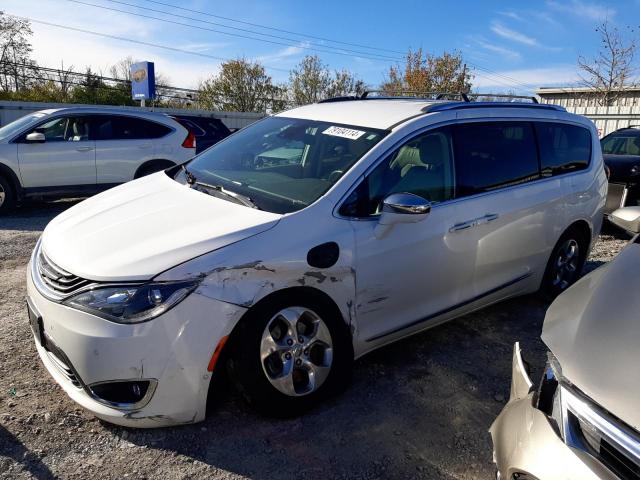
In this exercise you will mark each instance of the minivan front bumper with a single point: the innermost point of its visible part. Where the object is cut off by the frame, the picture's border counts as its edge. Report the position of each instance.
(526, 445)
(169, 354)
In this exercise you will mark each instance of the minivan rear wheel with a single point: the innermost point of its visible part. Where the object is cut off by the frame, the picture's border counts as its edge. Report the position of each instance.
(565, 264)
(289, 354)
(7, 195)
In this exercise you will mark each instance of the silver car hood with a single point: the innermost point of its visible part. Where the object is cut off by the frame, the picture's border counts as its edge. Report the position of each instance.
(594, 331)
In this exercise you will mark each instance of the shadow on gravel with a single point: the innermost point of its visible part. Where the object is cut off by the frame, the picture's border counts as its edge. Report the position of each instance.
(33, 216)
(11, 447)
(419, 408)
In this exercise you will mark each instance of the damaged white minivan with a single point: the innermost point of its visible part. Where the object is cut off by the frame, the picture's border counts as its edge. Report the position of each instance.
(304, 241)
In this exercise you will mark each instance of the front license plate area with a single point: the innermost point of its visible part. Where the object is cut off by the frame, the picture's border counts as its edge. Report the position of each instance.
(35, 320)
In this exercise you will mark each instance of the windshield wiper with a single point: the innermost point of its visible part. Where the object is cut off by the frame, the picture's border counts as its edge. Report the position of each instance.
(242, 199)
(191, 178)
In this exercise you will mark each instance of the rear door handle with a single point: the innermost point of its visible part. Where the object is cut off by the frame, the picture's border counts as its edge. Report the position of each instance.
(489, 217)
(84, 149)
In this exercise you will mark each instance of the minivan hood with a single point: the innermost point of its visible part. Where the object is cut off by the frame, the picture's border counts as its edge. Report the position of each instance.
(593, 329)
(141, 228)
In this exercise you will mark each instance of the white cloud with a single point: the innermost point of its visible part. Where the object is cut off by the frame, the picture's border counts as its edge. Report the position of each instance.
(579, 8)
(284, 53)
(504, 52)
(511, 14)
(513, 35)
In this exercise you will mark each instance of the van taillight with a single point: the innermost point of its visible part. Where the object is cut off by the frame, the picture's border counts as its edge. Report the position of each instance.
(190, 141)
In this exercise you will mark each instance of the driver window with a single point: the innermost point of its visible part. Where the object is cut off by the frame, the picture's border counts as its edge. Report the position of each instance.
(423, 166)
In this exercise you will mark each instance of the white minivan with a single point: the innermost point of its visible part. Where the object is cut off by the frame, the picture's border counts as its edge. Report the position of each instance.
(78, 151)
(304, 241)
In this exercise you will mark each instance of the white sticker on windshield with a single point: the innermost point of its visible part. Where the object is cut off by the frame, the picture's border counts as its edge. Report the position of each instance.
(344, 132)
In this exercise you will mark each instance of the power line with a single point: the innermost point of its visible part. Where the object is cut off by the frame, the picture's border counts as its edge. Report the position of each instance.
(341, 50)
(138, 42)
(305, 35)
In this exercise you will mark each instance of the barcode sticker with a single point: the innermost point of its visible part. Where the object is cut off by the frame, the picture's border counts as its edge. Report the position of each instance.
(344, 132)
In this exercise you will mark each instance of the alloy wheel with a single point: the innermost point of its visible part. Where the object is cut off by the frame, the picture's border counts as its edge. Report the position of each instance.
(3, 195)
(296, 351)
(566, 264)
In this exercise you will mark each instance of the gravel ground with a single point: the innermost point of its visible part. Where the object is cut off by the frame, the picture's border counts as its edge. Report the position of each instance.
(417, 409)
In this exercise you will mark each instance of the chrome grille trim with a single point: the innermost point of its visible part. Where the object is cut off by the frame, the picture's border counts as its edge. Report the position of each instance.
(621, 439)
(52, 281)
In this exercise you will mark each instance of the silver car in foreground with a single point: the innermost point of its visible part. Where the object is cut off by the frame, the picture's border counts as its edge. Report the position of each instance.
(583, 420)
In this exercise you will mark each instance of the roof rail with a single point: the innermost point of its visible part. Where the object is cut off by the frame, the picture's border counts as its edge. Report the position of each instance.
(395, 94)
(504, 95)
(440, 107)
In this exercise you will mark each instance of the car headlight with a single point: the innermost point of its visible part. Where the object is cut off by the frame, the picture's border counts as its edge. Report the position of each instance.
(132, 303)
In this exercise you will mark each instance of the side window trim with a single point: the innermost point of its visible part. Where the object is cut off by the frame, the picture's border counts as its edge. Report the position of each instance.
(450, 123)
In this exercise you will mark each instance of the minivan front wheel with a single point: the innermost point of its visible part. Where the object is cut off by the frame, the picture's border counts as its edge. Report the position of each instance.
(291, 354)
(565, 264)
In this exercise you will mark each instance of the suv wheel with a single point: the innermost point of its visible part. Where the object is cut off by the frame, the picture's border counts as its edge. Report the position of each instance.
(7, 195)
(291, 354)
(565, 263)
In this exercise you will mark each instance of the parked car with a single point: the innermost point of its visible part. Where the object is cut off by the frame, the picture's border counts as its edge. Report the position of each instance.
(306, 240)
(582, 420)
(621, 152)
(208, 131)
(80, 151)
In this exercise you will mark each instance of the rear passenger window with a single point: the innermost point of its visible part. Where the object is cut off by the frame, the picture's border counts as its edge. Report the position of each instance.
(494, 155)
(563, 148)
(118, 127)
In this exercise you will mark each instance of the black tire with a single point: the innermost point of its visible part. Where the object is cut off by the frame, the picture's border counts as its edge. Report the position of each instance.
(557, 276)
(250, 376)
(7, 196)
(153, 167)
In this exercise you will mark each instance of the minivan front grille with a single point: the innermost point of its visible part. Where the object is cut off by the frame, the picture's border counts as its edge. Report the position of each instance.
(57, 279)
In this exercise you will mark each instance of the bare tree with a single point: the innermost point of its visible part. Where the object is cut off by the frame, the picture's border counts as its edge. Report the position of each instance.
(612, 68)
(423, 72)
(15, 53)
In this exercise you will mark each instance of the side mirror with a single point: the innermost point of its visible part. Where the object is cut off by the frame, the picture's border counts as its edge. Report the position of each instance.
(627, 218)
(401, 208)
(35, 137)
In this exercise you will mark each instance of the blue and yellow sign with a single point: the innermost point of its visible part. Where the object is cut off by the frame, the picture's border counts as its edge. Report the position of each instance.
(143, 81)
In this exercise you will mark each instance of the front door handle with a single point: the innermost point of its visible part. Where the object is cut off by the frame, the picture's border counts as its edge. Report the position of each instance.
(84, 149)
(489, 217)
(463, 226)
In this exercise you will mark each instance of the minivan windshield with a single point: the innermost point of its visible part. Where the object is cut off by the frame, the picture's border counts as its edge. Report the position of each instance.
(280, 164)
(13, 128)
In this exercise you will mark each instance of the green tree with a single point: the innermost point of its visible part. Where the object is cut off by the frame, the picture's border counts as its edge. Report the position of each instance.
(423, 72)
(240, 86)
(311, 81)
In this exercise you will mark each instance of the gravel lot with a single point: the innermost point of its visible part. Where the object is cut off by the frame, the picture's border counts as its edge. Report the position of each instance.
(417, 409)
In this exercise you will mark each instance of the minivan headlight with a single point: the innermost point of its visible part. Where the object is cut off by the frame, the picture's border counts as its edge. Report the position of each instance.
(132, 303)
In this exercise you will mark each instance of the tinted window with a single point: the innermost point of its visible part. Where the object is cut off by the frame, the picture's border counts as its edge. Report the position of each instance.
(494, 155)
(423, 166)
(116, 127)
(563, 148)
(621, 145)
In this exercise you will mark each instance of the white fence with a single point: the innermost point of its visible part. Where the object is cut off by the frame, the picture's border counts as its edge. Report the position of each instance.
(10, 111)
(608, 119)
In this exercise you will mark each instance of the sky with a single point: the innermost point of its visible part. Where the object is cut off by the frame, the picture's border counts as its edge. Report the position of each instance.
(508, 46)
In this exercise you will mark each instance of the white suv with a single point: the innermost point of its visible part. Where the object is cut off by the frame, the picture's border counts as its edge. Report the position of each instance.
(80, 151)
(304, 241)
